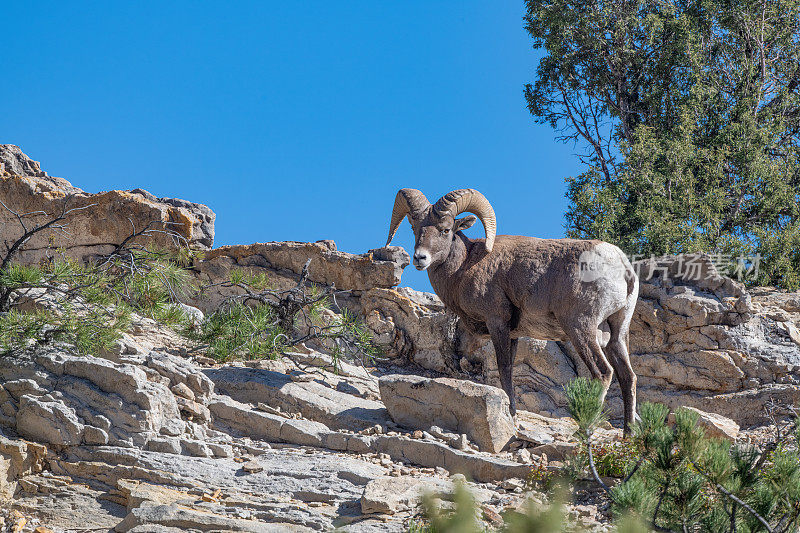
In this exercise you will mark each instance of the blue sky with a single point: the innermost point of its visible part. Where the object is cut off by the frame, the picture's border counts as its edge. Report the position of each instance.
(291, 120)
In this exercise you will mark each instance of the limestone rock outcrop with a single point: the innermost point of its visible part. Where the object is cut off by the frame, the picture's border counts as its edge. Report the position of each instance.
(55, 397)
(99, 221)
(697, 338)
(479, 411)
(283, 263)
(142, 439)
(139, 438)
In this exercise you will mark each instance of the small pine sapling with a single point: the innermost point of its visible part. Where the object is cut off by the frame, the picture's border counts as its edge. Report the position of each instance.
(86, 305)
(262, 321)
(681, 480)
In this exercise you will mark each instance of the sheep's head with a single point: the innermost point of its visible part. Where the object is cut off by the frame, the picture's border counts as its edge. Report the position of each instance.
(435, 226)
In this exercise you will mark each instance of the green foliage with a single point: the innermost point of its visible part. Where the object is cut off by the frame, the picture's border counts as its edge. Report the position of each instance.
(88, 331)
(92, 330)
(675, 478)
(780, 488)
(612, 459)
(540, 478)
(584, 404)
(686, 115)
(17, 327)
(241, 330)
(89, 305)
(18, 275)
(265, 323)
(152, 289)
(634, 497)
(650, 426)
(463, 516)
(347, 338)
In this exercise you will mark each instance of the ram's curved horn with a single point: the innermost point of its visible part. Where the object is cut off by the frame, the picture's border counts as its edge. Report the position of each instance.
(471, 201)
(408, 202)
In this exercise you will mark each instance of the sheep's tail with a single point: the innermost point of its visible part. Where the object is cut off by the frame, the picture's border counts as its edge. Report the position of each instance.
(632, 279)
(630, 276)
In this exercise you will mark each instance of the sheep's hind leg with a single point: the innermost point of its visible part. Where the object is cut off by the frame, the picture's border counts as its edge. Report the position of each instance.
(584, 340)
(617, 352)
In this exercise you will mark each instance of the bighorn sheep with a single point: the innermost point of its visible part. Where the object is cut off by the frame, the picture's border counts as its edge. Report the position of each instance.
(509, 286)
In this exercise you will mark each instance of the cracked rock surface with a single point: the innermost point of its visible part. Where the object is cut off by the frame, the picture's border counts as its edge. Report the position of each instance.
(141, 439)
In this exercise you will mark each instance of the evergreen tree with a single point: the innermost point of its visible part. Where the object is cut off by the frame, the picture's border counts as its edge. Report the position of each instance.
(687, 117)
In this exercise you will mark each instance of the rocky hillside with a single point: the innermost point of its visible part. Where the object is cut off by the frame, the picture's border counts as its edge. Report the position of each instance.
(706, 343)
(152, 436)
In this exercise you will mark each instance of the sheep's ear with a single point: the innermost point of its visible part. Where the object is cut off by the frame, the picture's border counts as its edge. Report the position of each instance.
(464, 223)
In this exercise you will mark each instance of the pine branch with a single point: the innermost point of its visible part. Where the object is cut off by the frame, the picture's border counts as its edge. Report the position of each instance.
(734, 498)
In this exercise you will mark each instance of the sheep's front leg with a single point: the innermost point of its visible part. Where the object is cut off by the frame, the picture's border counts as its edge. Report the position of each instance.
(505, 349)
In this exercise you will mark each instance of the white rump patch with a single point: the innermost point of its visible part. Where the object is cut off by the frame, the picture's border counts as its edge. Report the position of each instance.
(604, 261)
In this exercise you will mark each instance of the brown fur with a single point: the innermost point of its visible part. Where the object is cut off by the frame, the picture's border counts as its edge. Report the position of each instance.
(531, 287)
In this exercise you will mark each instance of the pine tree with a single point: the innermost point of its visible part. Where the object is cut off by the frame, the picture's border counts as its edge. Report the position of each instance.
(684, 481)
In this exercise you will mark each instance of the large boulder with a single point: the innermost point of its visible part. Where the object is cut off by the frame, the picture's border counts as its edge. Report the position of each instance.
(100, 220)
(479, 411)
